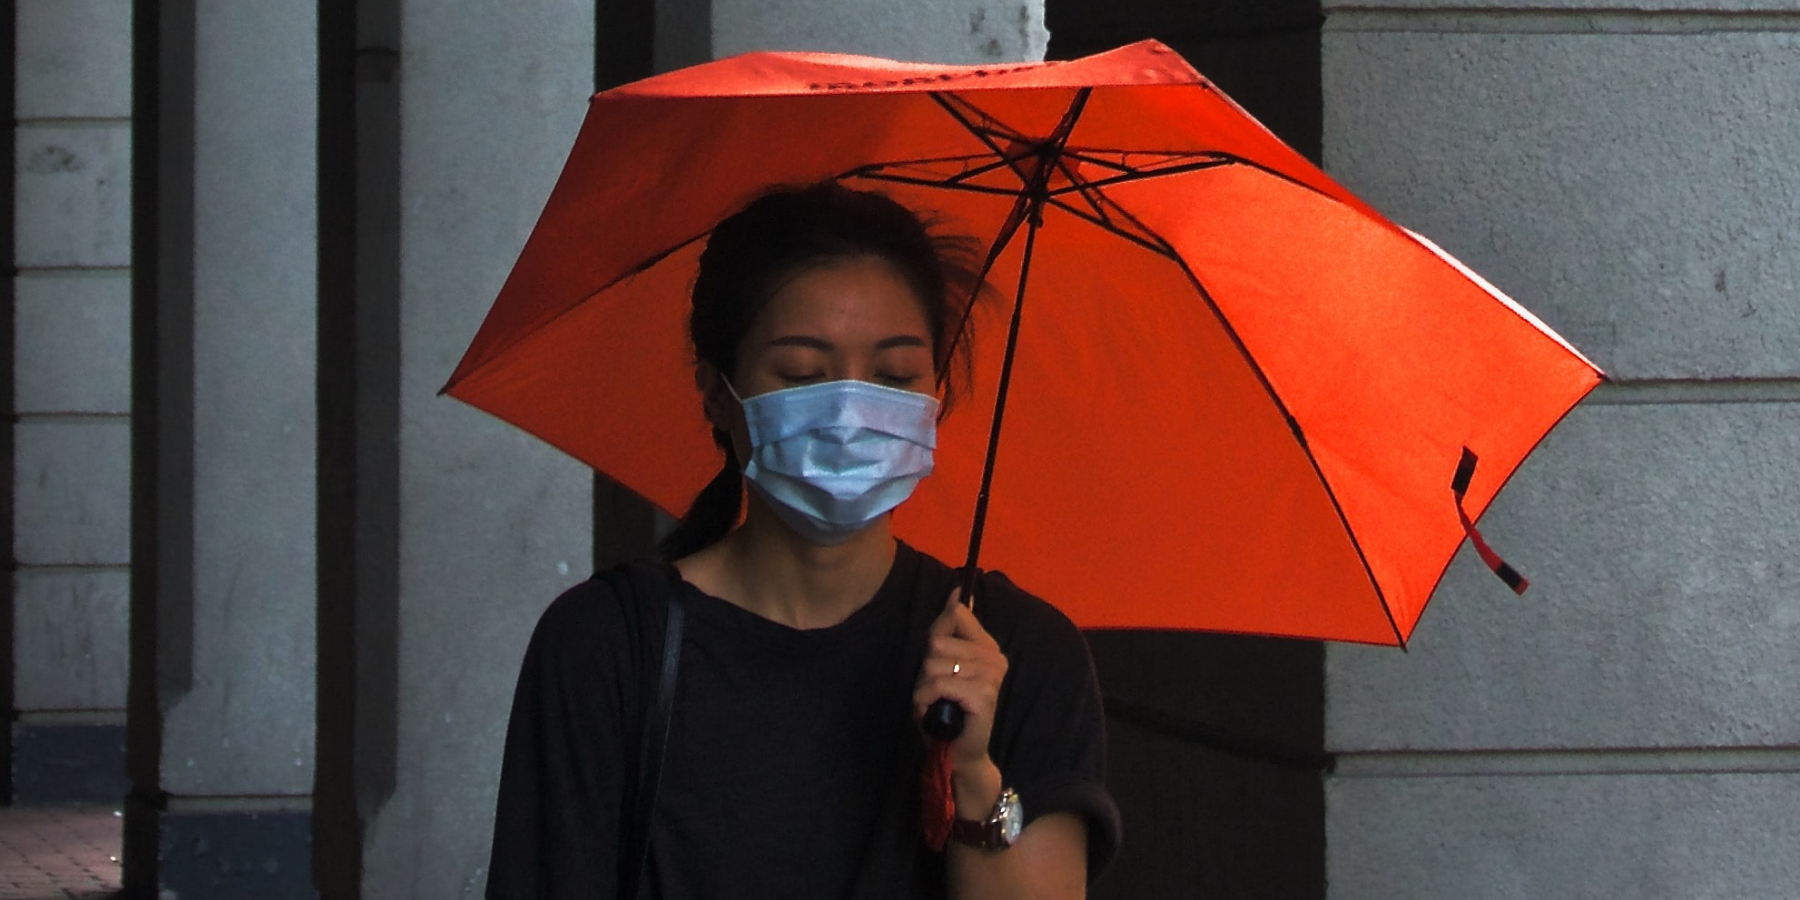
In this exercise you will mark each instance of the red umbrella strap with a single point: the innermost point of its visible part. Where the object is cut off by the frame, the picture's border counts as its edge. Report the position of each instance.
(1465, 470)
(937, 805)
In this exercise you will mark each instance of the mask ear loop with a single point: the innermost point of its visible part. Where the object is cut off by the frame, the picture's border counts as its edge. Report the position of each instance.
(729, 389)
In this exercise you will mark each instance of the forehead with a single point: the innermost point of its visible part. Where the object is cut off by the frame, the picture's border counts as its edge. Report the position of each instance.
(846, 296)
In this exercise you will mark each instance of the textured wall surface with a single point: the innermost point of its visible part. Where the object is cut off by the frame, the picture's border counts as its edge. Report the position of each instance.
(493, 523)
(952, 31)
(245, 726)
(1566, 6)
(1663, 611)
(1628, 727)
(70, 636)
(71, 360)
(1637, 190)
(1663, 835)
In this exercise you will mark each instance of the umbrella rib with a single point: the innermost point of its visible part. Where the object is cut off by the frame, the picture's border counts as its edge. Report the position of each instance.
(1084, 158)
(949, 102)
(1219, 159)
(1035, 195)
(985, 135)
(874, 170)
(1098, 221)
(978, 171)
(1276, 173)
(1008, 228)
(961, 106)
(993, 447)
(936, 183)
(1088, 156)
(1156, 243)
(1141, 175)
(1268, 387)
(1299, 435)
(642, 266)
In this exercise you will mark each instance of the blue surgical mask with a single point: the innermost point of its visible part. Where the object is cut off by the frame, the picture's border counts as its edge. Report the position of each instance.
(831, 458)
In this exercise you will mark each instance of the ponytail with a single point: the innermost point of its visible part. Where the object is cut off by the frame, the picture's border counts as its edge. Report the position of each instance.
(713, 513)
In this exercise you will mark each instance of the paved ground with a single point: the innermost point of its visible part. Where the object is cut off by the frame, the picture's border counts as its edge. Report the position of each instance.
(58, 853)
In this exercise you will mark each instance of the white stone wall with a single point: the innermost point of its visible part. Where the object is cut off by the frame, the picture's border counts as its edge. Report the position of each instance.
(72, 361)
(244, 726)
(1628, 728)
(948, 31)
(493, 523)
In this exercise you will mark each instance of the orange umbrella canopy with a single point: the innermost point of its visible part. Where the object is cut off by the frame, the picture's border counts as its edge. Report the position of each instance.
(1240, 394)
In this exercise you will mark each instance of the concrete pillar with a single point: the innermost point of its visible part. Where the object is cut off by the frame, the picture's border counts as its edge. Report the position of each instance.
(491, 524)
(1627, 728)
(222, 704)
(69, 451)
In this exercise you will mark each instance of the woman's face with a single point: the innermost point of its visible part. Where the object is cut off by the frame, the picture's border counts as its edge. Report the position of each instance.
(854, 319)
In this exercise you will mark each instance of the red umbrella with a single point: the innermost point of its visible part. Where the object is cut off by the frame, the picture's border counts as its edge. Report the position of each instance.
(1241, 400)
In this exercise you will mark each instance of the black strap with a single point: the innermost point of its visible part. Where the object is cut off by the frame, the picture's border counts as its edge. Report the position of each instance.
(1459, 486)
(655, 743)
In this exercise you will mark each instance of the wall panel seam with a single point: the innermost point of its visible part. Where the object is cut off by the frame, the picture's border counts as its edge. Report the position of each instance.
(1443, 19)
(39, 416)
(73, 568)
(72, 121)
(1402, 764)
(1665, 391)
(71, 270)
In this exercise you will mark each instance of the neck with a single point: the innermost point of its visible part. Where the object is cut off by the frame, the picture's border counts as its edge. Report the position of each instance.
(764, 567)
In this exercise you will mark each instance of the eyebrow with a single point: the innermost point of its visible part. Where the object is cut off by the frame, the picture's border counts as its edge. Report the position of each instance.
(802, 340)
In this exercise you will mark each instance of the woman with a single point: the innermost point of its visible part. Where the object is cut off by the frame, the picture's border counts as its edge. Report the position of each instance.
(823, 324)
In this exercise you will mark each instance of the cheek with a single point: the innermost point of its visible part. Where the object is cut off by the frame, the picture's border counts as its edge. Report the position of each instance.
(724, 414)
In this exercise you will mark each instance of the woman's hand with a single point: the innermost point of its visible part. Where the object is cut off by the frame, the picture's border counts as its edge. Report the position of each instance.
(1049, 862)
(964, 664)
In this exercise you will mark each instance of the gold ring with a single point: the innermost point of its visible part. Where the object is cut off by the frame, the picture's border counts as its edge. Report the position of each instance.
(956, 668)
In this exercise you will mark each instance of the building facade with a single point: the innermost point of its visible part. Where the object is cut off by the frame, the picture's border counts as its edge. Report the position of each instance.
(250, 240)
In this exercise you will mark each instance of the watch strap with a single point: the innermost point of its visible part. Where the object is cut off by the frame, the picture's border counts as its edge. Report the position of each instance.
(989, 833)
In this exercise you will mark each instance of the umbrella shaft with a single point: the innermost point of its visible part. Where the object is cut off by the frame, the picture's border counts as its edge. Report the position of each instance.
(1006, 367)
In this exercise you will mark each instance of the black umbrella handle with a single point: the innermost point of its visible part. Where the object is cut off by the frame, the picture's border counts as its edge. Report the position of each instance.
(943, 721)
(944, 718)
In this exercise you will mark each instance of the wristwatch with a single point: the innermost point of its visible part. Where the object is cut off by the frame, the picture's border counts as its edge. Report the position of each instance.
(996, 832)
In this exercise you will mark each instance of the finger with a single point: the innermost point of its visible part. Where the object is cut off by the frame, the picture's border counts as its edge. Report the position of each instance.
(958, 647)
(949, 646)
(967, 668)
(945, 623)
(963, 624)
(962, 679)
(977, 701)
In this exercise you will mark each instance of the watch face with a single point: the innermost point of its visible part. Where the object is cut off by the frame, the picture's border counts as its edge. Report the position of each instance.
(1011, 816)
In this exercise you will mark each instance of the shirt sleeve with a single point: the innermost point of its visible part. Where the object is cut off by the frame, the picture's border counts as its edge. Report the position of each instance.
(1050, 732)
(561, 777)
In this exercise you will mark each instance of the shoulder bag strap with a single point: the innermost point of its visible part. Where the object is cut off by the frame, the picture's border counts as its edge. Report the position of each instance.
(655, 739)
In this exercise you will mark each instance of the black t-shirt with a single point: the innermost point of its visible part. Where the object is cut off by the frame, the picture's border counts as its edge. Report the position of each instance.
(792, 766)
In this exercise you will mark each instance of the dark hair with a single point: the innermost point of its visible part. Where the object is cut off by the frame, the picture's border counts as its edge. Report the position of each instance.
(754, 251)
